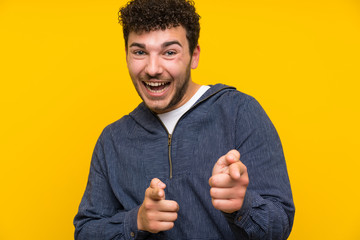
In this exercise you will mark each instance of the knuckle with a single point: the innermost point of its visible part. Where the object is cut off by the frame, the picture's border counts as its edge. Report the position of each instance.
(147, 205)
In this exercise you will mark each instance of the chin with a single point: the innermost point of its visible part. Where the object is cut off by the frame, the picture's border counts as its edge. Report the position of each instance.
(156, 108)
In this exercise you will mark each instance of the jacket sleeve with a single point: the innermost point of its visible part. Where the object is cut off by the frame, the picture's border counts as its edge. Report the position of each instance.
(101, 216)
(268, 209)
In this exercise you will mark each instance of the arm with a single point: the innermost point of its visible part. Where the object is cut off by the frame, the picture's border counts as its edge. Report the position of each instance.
(266, 207)
(102, 216)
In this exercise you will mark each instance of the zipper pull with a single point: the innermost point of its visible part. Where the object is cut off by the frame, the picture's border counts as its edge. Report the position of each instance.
(169, 140)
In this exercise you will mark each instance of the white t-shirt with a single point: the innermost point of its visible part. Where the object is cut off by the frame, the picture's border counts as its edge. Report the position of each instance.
(170, 119)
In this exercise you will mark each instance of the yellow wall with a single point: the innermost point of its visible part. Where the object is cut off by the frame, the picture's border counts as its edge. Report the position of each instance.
(63, 79)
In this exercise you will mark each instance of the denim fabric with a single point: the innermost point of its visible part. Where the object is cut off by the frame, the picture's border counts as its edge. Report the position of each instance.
(133, 150)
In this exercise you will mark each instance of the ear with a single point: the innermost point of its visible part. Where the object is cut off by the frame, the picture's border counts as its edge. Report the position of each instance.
(195, 57)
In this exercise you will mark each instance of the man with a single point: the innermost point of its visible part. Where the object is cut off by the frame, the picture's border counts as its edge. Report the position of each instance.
(191, 161)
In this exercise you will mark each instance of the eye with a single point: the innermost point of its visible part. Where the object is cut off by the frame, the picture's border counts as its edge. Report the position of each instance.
(139, 52)
(170, 53)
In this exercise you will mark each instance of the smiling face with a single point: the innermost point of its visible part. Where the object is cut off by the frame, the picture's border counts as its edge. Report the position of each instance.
(159, 64)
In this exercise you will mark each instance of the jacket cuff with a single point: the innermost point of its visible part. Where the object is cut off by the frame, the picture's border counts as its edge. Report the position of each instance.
(130, 226)
(250, 218)
(239, 217)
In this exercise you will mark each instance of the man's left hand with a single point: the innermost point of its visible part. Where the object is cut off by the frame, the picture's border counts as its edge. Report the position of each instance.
(229, 182)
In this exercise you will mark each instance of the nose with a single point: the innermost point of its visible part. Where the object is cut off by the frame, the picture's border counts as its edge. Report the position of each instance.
(153, 66)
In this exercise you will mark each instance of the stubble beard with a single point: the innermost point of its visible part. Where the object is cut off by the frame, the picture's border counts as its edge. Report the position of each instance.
(180, 90)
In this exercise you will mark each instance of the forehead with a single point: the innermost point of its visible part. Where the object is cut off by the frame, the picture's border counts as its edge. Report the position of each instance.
(158, 37)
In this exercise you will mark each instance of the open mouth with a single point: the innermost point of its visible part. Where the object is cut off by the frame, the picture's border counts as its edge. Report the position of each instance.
(156, 87)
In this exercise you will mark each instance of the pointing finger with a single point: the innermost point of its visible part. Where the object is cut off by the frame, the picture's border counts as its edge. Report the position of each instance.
(156, 189)
(223, 163)
(157, 183)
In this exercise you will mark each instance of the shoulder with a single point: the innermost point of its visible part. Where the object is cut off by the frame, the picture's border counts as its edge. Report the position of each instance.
(121, 127)
(230, 97)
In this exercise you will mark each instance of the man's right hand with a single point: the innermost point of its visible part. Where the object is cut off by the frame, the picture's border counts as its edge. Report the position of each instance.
(155, 213)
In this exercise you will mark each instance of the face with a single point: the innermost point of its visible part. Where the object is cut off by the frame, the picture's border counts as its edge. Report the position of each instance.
(159, 64)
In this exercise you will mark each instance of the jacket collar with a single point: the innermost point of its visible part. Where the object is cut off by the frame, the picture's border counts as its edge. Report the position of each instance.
(214, 89)
(149, 120)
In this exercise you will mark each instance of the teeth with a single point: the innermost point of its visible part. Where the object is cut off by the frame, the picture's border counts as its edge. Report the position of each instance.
(157, 91)
(155, 84)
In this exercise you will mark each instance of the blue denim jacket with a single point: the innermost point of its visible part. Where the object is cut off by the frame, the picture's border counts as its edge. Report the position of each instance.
(137, 148)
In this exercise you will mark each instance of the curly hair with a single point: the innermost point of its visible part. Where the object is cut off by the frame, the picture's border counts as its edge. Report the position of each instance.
(151, 15)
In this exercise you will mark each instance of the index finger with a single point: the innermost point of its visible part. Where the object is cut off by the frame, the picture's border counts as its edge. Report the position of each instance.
(156, 189)
(157, 183)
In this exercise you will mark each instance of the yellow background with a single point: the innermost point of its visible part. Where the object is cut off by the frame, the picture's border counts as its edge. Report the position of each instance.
(64, 78)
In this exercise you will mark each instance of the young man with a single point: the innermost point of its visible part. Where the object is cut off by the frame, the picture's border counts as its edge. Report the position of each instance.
(172, 169)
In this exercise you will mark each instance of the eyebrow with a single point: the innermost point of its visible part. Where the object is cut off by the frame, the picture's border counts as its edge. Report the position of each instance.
(164, 45)
(135, 44)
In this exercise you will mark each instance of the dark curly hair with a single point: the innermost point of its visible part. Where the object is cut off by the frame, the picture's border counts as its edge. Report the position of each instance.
(150, 15)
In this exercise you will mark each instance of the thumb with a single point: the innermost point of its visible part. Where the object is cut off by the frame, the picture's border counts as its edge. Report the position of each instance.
(232, 156)
(235, 170)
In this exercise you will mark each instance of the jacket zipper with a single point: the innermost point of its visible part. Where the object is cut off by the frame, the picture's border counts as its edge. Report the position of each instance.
(169, 147)
(170, 135)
